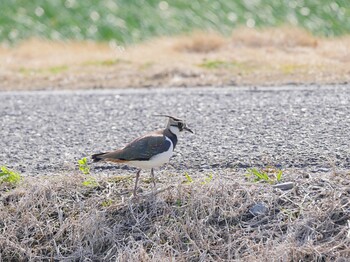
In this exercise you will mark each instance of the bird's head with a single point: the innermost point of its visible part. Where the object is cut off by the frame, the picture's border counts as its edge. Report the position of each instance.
(176, 125)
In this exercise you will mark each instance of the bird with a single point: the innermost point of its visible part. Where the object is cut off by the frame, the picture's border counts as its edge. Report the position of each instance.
(149, 151)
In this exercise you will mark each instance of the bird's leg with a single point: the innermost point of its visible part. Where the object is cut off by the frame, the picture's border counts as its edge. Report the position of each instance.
(136, 181)
(153, 179)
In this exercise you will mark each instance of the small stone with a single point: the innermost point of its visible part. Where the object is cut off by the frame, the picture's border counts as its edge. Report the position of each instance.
(258, 209)
(284, 186)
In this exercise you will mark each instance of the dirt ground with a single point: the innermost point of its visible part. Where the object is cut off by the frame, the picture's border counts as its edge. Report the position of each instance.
(248, 57)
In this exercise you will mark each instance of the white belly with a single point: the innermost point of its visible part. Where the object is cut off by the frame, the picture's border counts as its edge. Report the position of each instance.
(154, 161)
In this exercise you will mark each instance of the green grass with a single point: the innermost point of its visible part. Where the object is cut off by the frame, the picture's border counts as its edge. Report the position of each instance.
(57, 69)
(132, 21)
(219, 64)
(50, 70)
(107, 62)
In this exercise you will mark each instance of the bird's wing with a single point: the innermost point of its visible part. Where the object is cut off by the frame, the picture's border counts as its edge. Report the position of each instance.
(140, 149)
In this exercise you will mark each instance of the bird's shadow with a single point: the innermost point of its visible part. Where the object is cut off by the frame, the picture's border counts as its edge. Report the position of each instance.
(112, 167)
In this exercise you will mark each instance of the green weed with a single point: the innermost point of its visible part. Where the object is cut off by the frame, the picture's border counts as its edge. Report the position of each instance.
(107, 203)
(120, 179)
(85, 169)
(279, 175)
(219, 64)
(57, 69)
(178, 202)
(189, 179)
(107, 62)
(84, 166)
(9, 176)
(44, 71)
(269, 175)
(207, 179)
(90, 182)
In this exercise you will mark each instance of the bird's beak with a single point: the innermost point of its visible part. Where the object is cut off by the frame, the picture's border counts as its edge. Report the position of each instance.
(189, 130)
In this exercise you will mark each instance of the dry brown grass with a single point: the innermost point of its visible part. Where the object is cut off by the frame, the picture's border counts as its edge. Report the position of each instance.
(60, 219)
(283, 37)
(200, 42)
(249, 57)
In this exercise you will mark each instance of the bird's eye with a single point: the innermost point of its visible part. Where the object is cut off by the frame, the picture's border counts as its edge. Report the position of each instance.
(180, 125)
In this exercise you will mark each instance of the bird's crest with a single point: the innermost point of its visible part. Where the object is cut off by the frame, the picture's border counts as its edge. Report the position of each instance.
(172, 117)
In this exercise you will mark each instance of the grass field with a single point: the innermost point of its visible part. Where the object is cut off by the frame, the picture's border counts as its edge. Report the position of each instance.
(125, 21)
(275, 56)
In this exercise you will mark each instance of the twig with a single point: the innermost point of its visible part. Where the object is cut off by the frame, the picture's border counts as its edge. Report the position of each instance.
(158, 191)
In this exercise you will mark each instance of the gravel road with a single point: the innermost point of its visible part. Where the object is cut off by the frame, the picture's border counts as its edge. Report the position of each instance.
(288, 127)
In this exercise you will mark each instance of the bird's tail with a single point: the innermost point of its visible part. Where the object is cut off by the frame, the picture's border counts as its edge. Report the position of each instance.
(97, 157)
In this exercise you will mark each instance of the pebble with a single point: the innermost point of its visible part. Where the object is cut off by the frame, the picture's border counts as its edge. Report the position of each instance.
(258, 209)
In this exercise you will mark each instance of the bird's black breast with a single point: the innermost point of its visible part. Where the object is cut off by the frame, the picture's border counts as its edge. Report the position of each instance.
(171, 136)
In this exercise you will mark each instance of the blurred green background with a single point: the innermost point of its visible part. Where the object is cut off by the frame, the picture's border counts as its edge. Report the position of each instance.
(132, 21)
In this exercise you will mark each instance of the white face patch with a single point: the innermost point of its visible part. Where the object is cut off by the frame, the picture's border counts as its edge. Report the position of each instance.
(175, 130)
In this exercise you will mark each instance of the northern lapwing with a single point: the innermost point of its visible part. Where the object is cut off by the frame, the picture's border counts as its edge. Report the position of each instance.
(148, 151)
